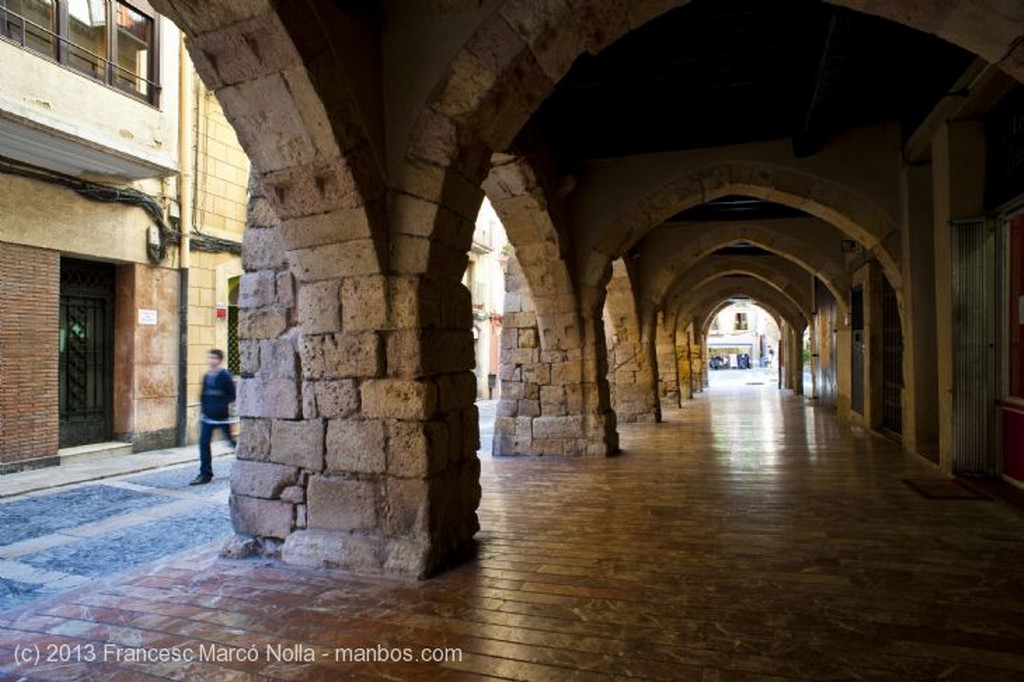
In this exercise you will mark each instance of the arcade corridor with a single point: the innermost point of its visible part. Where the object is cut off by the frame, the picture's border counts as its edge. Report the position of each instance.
(747, 536)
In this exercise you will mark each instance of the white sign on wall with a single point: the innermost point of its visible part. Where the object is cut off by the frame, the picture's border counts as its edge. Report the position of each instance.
(147, 317)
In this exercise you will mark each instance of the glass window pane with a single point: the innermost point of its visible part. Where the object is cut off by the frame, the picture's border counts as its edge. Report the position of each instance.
(28, 22)
(134, 47)
(87, 33)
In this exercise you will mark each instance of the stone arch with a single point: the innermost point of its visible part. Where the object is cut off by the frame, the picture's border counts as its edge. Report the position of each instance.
(519, 51)
(541, 250)
(847, 210)
(286, 89)
(805, 242)
(780, 274)
(710, 293)
(555, 365)
(357, 396)
(708, 317)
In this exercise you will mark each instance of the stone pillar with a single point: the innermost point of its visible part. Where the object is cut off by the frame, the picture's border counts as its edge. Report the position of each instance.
(359, 432)
(786, 355)
(554, 397)
(684, 364)
(698, 370)
(920, 393)
(631, 360)
(668, 361)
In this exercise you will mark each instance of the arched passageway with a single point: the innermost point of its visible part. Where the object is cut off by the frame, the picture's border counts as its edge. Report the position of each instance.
(375, 135)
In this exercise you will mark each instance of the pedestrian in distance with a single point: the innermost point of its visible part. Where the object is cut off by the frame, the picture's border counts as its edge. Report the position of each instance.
(218, 394)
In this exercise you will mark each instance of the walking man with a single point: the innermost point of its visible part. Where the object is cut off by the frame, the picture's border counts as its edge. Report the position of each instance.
(218, 394)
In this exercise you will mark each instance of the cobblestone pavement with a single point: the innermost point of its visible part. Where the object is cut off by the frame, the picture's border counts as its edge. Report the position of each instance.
(54, 540)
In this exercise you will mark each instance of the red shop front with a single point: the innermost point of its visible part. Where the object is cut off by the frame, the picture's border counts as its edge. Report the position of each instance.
(1012, 403)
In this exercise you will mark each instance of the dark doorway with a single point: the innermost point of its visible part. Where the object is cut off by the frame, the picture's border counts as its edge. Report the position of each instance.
(892, 361)
(86, 352)
(857, 327)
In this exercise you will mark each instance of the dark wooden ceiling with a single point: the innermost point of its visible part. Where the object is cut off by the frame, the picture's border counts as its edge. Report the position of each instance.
(721, 72)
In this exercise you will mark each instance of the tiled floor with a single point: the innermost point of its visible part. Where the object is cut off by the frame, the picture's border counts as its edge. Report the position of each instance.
(749, 537)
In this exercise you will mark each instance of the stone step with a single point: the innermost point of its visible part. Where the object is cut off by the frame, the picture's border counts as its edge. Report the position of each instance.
(114, 448)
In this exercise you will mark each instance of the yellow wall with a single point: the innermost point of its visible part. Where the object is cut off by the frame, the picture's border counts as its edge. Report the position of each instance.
(222, 175)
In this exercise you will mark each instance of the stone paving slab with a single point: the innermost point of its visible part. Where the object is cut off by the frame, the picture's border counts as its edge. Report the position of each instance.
(55, 540)
(123, 549)
(36, 516)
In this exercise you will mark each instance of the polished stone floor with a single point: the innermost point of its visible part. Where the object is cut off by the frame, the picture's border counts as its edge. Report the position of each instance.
(748, 537)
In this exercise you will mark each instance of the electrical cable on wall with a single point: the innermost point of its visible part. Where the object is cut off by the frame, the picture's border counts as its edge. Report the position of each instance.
(156, 250)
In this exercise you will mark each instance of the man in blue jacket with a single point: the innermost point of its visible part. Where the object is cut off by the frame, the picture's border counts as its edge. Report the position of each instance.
(218, 394)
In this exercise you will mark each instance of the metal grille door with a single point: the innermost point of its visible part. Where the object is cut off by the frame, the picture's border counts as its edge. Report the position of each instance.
(973, 252)
(892, 361)
(86, 352)
(857, 369)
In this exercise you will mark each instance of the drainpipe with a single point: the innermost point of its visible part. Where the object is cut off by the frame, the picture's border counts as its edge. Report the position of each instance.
(185, 163)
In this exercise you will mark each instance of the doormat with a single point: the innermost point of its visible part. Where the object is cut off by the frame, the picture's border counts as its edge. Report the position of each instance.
(945, 489)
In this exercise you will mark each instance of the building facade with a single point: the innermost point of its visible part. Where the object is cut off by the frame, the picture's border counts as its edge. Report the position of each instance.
(741, 328)
(485, 279)
(122, 204)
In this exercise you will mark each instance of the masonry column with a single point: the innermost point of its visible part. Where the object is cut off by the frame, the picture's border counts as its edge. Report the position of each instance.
(359, 431)
(631, 371)
(683, 363)
(698, 370)
(786, 367)
(554, 394)
(668, 360)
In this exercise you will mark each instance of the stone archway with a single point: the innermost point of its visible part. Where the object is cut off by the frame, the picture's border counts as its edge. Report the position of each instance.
(805, 242)
(843, 208)
(782, 275)
(546, 375)
(382, 246)
(708, 318)
(693, 312)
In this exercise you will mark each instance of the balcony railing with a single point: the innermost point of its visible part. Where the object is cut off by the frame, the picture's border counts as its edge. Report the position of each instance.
(29, 35)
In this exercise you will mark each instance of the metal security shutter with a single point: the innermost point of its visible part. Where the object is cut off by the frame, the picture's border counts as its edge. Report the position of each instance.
(892, 361)
(974, 352)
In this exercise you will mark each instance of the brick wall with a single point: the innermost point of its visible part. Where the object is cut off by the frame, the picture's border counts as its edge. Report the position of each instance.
(29, 300)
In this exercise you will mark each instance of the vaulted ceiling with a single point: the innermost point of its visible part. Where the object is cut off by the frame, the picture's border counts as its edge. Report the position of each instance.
(721, 72)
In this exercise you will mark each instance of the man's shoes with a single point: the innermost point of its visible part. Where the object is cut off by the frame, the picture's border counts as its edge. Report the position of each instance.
(201, 480)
